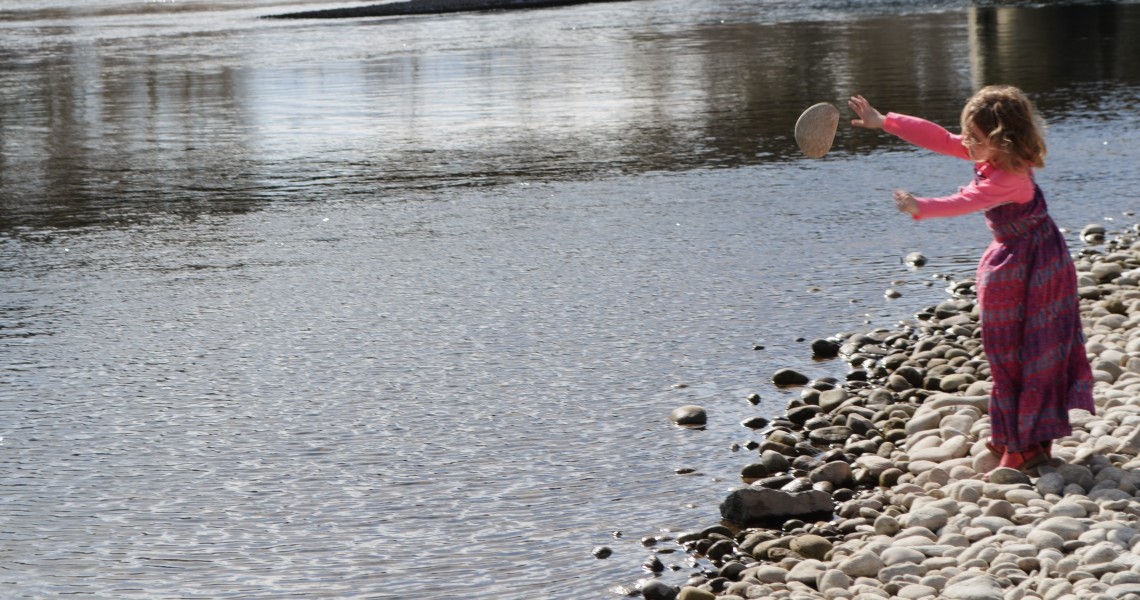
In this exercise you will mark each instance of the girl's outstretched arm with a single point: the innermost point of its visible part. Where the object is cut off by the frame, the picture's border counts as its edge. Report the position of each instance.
(869, 118)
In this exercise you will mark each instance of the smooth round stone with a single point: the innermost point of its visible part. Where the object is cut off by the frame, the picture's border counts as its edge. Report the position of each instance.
(833, 579)
(1022, 496)
(810, 546)
(1104, 552)
(692, 593)
(1008, 476)
(690, 415)
(815, 129)
(836, 472)
(902, 571)
(1068, 509)
(862, 564)
(1051, 483)
(806, 571)
(887, 525)
(929, 517)
(1066, 527)
(789, 377)
(774, 461)
(1021, 550)
(657, 590)
(770, 574)
(1000, 508)
(896, 555)
(875, 465)
(914, 591)
(838, 434)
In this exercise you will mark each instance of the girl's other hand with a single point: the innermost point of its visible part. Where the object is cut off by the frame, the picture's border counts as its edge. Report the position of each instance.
(869, 118)
(904, 201)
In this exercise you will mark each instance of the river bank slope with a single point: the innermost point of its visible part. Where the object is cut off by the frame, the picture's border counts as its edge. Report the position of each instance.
(900, 446)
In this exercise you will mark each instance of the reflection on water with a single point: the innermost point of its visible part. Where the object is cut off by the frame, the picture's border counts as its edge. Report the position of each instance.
(382, 307)
(101, 129)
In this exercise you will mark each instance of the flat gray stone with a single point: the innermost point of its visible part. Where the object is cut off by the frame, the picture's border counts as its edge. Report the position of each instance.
(815, 129)
(752, 506)
(983, 587)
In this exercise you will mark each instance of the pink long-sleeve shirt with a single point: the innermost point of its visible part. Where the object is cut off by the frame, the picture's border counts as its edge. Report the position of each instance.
(991, 187)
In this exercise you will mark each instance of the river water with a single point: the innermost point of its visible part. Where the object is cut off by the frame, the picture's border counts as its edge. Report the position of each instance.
(391, 307)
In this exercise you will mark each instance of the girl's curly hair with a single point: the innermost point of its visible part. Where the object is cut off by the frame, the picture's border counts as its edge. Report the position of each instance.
(1005, 117)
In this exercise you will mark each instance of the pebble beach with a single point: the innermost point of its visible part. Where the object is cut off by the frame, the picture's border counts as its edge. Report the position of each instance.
(897, 452)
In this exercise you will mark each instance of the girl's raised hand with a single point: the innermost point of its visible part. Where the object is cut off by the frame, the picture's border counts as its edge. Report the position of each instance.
(905, 202)
(869, 118)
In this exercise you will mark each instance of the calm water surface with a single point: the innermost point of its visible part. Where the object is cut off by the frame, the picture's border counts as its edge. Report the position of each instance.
(374, 308)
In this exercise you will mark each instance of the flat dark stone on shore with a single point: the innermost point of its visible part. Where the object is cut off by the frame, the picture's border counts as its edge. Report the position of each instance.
(429, 7)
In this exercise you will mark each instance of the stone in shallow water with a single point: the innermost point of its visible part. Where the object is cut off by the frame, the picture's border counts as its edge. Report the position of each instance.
(789, 377)
(689, 415)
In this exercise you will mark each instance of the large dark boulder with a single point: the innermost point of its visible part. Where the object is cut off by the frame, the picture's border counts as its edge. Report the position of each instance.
(752, 506)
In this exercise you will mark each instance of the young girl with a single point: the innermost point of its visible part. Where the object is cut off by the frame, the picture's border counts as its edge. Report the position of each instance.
(1026, 281)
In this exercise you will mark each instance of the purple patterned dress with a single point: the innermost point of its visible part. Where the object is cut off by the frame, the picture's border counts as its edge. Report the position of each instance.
(1031, 327)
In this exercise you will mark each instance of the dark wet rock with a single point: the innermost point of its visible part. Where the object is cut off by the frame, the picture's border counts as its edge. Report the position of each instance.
(825, 383)
(797, 485)
(754, 471)
(830, 400)
(825, 348)
(806, 462)
(653, 564)
(719, 532)
(789, 377)
(732, 570)
(784, 449)
(655, 589)
(689, 415)
(775, 462)
(890, 477)
(860, 424)
(837, 472)
(783, 437)
(817, 423)
(720, 549)
(748, 506)
(755, 422)
(801, 414)
(774, 482)
(838, 434)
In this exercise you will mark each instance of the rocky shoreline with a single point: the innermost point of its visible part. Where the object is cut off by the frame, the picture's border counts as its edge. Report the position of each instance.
(893, 457)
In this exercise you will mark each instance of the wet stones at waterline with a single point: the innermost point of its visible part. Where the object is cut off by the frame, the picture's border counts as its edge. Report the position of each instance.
(906, 512)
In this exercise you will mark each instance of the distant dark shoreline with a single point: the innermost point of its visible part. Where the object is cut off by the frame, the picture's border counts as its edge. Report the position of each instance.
(429, 7)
